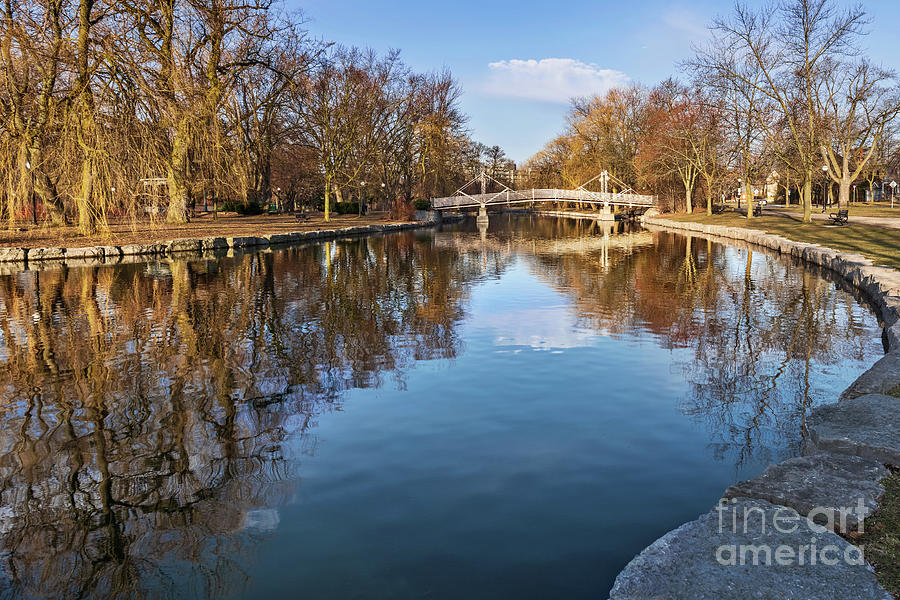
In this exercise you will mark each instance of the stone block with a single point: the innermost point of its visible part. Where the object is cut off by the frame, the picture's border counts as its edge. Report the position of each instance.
(88, 252)
(111, 253)
(213, 244)
(35, 254)
(280, 238)
(883, 376)
(830, 481)
(185, 245)
(866, 426)
(13, 254)
(694, 561)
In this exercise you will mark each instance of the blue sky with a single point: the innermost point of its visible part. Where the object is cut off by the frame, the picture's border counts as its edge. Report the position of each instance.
(519, 62)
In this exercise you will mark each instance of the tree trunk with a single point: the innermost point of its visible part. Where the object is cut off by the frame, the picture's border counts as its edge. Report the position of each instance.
(807, 198)
(85, 216)
(844, 192)
(44, 188)
(748, 194)
(177, 179)
(327, 199)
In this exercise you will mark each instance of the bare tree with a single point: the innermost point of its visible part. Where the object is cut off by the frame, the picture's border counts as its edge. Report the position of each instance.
(858, 101)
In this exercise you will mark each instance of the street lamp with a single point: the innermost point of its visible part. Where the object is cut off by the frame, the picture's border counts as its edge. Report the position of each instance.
(824, 183)
(740, 191)
(893, 188)
(362, 200)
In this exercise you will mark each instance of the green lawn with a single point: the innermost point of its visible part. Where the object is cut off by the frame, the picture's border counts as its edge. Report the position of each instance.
(880, 244)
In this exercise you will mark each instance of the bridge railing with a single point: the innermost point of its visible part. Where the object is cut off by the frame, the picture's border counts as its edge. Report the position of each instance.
(541, 195)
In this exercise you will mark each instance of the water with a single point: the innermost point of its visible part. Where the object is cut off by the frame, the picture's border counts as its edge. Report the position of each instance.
(423, 415)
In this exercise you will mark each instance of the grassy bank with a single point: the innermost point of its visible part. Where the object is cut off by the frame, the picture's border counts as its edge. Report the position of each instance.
(877, 209)
(881, 540)
(144, 232)
(882, 245)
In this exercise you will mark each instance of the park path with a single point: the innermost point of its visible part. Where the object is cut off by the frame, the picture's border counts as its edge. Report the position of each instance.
(889, 222)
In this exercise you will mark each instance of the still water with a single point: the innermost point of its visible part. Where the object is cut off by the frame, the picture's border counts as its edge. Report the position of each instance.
(438, 414)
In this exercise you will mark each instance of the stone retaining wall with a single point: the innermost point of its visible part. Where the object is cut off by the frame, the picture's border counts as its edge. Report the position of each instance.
(848, 445)
(20, 258)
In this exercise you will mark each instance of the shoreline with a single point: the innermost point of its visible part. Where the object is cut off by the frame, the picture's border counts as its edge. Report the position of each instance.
(114, 254)
(845, 455)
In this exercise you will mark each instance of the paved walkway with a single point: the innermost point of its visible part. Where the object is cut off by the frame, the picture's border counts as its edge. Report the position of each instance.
(889, 222)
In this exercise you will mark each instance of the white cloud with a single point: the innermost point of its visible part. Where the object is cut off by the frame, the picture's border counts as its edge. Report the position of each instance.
(550, 79)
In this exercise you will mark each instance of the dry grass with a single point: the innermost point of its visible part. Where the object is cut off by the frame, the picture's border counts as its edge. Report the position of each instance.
(227, 225)
(881, 539)
(880, 244)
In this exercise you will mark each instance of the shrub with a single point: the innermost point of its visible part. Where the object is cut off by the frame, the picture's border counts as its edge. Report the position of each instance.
(402, 210)
(241, 208)
(341, 208)
(422, 204)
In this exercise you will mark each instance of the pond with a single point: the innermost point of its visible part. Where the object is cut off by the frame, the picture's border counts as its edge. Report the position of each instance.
(442, 413)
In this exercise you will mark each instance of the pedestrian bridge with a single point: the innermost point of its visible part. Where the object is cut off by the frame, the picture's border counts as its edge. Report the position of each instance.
(626, 197)
(542, 195)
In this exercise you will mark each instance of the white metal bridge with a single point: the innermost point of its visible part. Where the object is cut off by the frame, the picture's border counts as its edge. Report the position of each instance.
(506, 196)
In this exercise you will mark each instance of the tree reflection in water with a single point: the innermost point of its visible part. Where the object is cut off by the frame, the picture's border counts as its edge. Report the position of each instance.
(146, 408)
(754, 326)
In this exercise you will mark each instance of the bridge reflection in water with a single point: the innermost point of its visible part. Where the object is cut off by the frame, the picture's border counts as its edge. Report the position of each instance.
(597, 237)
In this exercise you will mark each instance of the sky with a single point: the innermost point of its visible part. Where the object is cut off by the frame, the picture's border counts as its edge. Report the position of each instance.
(519, 63)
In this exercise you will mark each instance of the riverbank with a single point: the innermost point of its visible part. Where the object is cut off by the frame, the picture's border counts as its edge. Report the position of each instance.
(124, 232)
(880, 243)
(223, 235)
(848, 447)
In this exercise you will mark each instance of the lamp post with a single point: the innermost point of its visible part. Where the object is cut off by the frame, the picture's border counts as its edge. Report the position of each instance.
(824, 183)
(362, 200)
(740, 191)
(893, 188)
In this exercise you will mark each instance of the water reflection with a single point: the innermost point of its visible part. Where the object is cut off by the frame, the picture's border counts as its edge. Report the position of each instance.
(755, 324)
(146, 408)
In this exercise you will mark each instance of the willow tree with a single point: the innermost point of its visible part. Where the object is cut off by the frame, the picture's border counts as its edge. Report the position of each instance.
(32, 48)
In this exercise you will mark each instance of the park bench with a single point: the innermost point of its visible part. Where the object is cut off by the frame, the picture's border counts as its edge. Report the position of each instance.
(718, 209)
(757, 210)
(841, 218)
(301, 216)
